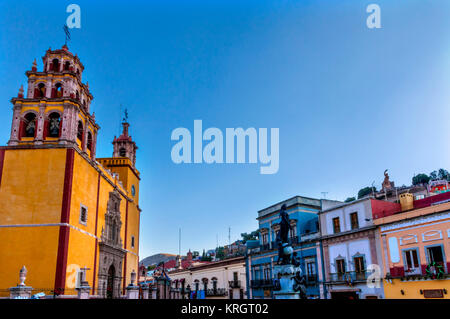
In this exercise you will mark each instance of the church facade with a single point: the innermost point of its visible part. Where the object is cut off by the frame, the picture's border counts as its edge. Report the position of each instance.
(62, 208)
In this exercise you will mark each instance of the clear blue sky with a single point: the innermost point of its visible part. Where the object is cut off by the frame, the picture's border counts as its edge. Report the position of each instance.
(350, 102)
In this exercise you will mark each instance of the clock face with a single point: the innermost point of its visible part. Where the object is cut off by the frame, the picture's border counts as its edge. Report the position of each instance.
(133, 190)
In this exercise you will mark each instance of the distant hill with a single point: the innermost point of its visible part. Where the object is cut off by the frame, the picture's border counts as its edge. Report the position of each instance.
(156, 259)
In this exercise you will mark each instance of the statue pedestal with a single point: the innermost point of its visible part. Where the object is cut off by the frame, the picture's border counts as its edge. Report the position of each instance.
(83, 291)
(20, 292)
(285, 274)
(132, 292)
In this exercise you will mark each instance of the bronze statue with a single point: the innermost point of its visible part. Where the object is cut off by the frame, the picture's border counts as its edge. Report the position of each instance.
(282, 237)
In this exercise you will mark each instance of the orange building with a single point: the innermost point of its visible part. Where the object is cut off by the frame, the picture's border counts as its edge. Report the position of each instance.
(416, 250)
(63, 209)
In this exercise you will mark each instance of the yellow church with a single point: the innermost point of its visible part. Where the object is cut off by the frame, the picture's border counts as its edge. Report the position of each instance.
(62, 208)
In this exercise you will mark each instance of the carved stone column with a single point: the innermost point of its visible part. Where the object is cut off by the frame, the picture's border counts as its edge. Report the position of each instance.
(14, 139)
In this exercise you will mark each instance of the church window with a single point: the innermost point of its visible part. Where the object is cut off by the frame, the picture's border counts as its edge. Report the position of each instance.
(89, 141)
(67, 66)
(132, 241)
(80, 131)
(77, 94)
(29, 125)
(54, 124)
(83, 215)
(58, 90)
(55, 63)
(40, 91)
(133, 190)
(122, 152)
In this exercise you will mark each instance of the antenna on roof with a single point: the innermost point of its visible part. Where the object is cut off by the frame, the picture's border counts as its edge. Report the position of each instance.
(324, 194)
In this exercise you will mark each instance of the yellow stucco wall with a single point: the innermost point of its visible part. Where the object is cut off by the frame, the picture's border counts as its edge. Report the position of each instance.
(32, 190)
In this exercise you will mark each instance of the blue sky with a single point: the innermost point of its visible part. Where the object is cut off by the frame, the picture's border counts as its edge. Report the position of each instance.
(349, 101)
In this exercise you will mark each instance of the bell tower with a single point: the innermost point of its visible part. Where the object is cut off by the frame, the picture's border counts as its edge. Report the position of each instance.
(55, 109)
(124, 146)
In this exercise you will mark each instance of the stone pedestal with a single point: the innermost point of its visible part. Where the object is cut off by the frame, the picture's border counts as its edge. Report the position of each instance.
(145, 290)
(285, 274)
(153, 293)
(20, 292)
(83, 291)
(132, 292)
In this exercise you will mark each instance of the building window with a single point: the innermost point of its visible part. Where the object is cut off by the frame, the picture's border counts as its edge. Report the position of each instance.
(54, 124)
(359, 264)
(340, 266)
(89, 142)
(83, 215)
(311, 269)
(354, 220)
(80, 131)
(29, 125)
(122, 152)
(235, 276)
(436, 255)
(336, 225)
(55, 64)
(411, 261)
(132, 241)
(265, 238)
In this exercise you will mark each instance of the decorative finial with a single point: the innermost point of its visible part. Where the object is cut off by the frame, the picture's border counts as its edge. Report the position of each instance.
(34, 67)
(125, 118)
(21, 91)
(22, 275)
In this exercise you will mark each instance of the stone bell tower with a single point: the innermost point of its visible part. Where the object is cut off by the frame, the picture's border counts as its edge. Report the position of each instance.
(124, 146)
(55, 109)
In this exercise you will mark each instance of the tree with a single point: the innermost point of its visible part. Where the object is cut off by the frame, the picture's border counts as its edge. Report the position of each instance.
(366, 191)
(349, 199)
(220, 253)
(252, 236)
(420, 179)
(440, 174)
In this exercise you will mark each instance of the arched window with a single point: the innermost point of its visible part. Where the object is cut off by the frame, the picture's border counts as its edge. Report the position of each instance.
(77, 95)
(67, 66)
(54, 124)
(55, 64)
(89, 141)
(58, 90)
(122, 152)
(80, 131)
(39, 91)
(205, 284)
(214, 282)
(29, 125)
(197, 284)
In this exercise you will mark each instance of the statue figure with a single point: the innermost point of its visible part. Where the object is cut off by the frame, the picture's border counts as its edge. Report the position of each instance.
(299, 284)
(282, 238)
(387, 184)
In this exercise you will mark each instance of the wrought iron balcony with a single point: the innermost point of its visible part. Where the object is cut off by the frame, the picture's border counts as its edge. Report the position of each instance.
(218, 292)
(261, 283)
(235, 284)
(349, 277)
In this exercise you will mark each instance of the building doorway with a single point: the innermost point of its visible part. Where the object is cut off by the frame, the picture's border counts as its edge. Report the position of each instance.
(110, 282)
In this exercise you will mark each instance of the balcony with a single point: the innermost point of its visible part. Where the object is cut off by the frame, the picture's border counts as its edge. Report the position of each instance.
(261, 283)
(349, 277)
(218, 292)
(234, 284)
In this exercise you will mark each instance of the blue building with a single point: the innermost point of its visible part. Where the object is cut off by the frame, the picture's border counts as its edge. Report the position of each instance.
(304, 237)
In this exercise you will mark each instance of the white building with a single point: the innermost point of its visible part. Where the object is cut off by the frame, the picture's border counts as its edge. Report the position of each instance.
(225, 279)
(350, 245)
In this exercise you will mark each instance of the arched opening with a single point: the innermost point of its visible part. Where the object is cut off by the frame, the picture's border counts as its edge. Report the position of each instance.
(77, 95)
(214, 284)
(110, 282)
(89, 142)
(29, 125)
(58, 90)
(205, 284)
(67, 66)
(80, 131)
(122, 152)
(39, 91)
(55, 65)
(54, 124)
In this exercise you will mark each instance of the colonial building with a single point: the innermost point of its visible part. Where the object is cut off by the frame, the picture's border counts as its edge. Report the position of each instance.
(225, 279)
(350, 245)
(416, 248)
(63, 208)
(303, 236)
